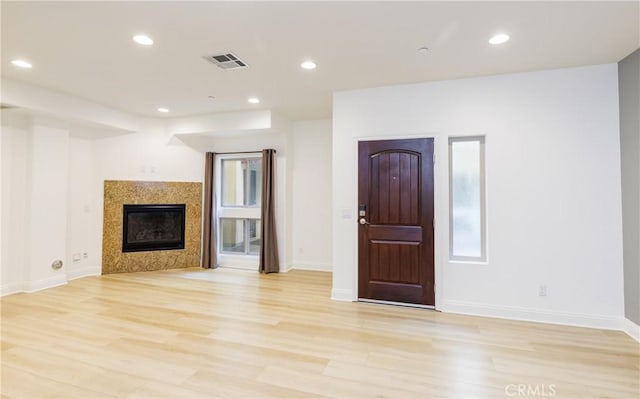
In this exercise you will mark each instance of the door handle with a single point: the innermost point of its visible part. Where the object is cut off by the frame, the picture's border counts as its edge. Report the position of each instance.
(363, 221)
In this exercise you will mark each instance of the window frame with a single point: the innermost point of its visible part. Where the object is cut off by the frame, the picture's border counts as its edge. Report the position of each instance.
(245, 260)
(483, 200)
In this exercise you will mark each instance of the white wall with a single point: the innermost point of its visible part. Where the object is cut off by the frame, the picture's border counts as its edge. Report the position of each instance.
(83, 258)
(150, 154)
(629, 87)
(15, 149)
(34, 207)
(1, 215)
(47, 205)
(553, 187)
(311, 195)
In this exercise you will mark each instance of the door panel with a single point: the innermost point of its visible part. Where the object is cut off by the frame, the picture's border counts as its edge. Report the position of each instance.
(394, 188)
(385, 254)
(395, 253)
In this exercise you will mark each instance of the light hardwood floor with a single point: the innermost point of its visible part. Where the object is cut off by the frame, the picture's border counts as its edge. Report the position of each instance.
(195, 333)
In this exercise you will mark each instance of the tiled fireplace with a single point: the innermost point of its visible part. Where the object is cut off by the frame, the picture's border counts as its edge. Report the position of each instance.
(151, 226)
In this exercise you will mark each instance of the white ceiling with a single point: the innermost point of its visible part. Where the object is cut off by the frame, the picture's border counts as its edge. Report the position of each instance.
(85, 48)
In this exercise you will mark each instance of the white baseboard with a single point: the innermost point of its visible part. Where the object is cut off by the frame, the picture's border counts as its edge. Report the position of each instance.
(535, 315)
(341, 294)
(84, 272)
(631, 328)
(11, 288)
(49, 282)
(285, 268)
(312, 266)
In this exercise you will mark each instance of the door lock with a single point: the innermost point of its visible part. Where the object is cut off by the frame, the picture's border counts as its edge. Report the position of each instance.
(363, 221)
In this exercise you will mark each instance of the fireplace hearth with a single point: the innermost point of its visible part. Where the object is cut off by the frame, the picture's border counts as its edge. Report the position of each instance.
(153, 227)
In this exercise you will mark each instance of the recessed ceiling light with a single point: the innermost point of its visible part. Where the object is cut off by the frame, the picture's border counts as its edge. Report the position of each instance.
(22, 63)
(423, 50)
(499, 39)
(254, 100)
(308, 65)
(163, 110)
(143, 39)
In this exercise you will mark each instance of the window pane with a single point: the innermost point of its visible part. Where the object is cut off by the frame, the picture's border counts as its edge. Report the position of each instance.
(466, 198)
(255, 239)
(254, 181)
(241, 182)
(232, 232)
(232, 182)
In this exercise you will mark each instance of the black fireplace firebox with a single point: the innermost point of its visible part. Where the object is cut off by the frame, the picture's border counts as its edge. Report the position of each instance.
(153, 227)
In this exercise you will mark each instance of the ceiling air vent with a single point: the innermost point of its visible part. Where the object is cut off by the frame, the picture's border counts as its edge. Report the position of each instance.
(226, 61)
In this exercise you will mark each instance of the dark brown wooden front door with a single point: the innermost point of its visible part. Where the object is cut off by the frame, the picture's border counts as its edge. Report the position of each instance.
(395, 247)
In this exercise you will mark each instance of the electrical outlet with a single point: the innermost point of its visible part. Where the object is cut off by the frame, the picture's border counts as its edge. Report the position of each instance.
(542, 290)
(85, 255)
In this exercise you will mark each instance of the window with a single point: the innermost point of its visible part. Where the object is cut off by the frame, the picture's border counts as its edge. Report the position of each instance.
(467, 219)
(239, 192)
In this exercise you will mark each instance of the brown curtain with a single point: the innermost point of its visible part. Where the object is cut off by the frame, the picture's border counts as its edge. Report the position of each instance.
(209, 260)
(269, 249)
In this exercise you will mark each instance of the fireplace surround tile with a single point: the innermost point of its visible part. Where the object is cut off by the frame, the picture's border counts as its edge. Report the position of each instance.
(120, 192)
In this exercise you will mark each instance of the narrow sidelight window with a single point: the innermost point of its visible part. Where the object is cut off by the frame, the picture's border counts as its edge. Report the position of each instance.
(467, 213)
